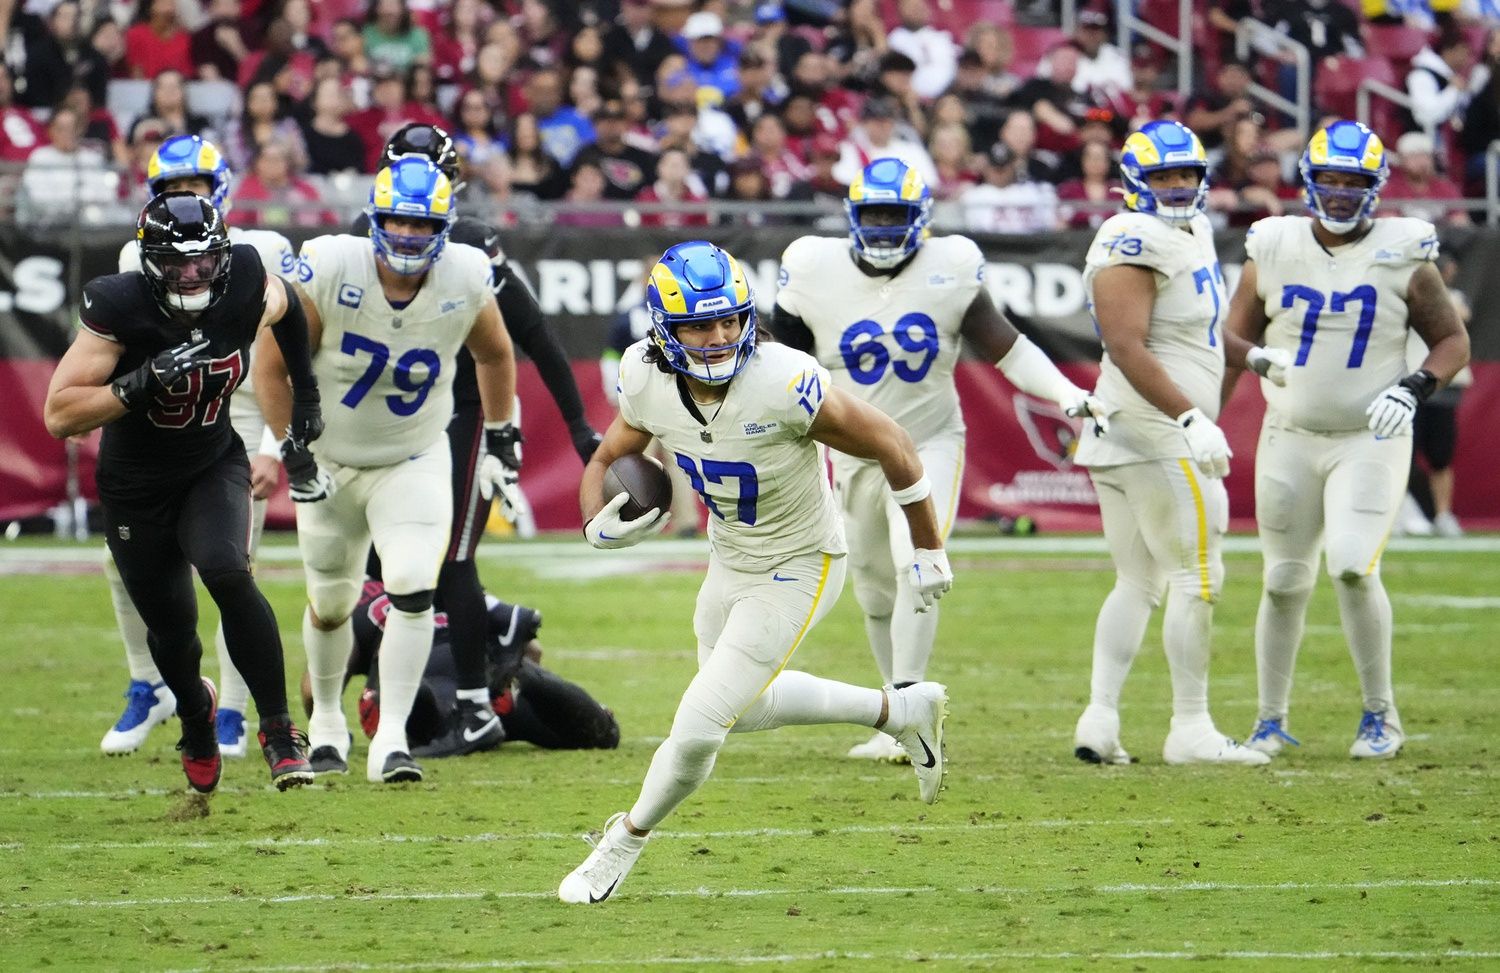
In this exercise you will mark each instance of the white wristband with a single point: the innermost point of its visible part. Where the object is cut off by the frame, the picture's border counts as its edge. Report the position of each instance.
(269, 444)
(915, 493)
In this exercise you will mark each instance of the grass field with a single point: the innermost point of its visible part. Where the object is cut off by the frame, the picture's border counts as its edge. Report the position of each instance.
(791, 855)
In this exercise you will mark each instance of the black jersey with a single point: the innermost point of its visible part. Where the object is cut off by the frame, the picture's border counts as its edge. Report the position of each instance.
(508, 630)
(149, 450)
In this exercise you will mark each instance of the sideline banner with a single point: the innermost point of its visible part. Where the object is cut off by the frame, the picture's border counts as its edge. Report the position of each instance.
(1018, 449)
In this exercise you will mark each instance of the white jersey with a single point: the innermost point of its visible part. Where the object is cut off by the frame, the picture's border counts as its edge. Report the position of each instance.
(1186, 334)
(892, 341)
(1340, 314)
(753, 463)
(386, 375)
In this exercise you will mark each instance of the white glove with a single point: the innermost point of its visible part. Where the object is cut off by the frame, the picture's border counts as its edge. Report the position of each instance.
(1269, 363)
(497, 479)
(608, 531)
(930, 577)
(1206, 442)
(1085, 406)
(1392, 411)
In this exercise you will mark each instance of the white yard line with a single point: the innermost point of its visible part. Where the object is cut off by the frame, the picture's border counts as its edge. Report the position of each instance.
(708, 893)
(753, 959)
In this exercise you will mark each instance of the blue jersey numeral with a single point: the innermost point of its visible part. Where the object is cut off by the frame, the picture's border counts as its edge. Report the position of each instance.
(867, 359)
(417, 387)
(1203, 279)
(1338, 303)
(717, 471)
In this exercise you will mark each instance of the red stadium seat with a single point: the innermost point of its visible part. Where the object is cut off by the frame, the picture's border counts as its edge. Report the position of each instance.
(1337, 86)
(1031, 44)
(1396, 43)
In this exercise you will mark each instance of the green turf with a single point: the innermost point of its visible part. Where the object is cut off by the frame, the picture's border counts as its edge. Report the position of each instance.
(1030, 861)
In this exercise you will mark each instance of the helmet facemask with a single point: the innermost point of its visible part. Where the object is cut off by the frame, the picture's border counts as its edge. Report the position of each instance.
(887, 231)
(1341, 209)
(185, 252)
(713, 364)
(407, 254)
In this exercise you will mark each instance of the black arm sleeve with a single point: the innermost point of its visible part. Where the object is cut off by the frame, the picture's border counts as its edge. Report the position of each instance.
(291, 337)
(528, 329)
(791, 330)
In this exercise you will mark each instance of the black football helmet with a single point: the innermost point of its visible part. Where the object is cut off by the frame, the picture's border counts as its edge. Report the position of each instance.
(185, 254)
(427, 141)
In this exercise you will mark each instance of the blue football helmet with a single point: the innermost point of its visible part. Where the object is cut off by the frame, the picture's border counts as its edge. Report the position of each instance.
(888, 183)
(1157, 147)
(1344, 146)
(415, 188)
(188, 155)
(697, 281)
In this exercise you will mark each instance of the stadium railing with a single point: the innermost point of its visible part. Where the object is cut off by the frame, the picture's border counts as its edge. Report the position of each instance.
(1263, 37)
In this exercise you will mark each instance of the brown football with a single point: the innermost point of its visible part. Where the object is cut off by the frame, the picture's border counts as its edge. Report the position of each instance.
(643, 479)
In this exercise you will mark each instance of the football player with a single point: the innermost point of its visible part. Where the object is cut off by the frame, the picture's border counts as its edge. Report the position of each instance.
(538, 707)
(160, 354)
(1157, 296)
(459, 592)
(885, 311)
(387, 315)
(1336, 293)
(743, 418)
(187, 162)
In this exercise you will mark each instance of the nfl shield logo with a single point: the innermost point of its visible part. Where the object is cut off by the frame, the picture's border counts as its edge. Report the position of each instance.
(124, 533)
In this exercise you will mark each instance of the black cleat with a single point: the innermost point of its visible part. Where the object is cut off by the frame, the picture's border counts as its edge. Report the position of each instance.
(471, 728)
(285, 749)
(401, 769)
(328, 760)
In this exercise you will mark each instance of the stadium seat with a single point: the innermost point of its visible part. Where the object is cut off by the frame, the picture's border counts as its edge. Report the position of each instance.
(127, 99)
(958, 15)
(1396, 43)
(1031, 45)
(218, 101)
(1336, 91)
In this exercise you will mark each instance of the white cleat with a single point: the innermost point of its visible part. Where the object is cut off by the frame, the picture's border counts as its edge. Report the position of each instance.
(1378, 738)
(882, 748)
(601, 873)
(1200, 743)
(1270, 736)
(146, 706)
(1096, 740)
(925, 709)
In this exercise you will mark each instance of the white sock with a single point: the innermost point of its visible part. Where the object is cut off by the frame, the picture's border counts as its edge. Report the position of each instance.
(912, 636)
(799, 699)
(1186, 630)
(1365, 611)
(1117, 638)
(233, 693)
(878, 631)
(479, 697)
(132, 628)
(327, 655)
(403, 657)
(679, 767)
(1278, 635)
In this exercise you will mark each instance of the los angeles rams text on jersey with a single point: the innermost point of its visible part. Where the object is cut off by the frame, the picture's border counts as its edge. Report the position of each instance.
(1340, 313)
(1186, 333)
(753, 464)
(386, 373)
(890, 340)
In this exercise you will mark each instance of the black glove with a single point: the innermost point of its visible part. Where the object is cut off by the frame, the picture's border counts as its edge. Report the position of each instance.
(141, 387)
(307, 415)
(585, 441)
(503, 441)
(308, 482)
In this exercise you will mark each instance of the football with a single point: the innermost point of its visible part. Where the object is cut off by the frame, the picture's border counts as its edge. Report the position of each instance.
(643, 479)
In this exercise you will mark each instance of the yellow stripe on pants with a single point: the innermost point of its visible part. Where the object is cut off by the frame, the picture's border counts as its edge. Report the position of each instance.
(801, 634)
(1202, 512)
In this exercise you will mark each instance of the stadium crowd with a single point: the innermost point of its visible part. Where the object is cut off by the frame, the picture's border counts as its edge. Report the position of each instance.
(1014, 122)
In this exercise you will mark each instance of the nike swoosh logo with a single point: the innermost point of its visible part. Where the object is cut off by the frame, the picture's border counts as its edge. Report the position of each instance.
(777, 577)
(1380, 747)
(87, 301)
(471, 737)
(931, 760)
(607, 893)
(606, 537)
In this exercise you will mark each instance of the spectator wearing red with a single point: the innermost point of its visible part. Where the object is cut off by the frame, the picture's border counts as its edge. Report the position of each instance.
(674, 184)
(389, 110)
(805, 122)
(455, 49)
(221, 44)
(282, 196)
(779, 164)
(20, 132)
(157, 42)
(823, 185)
(1054, 101)
(815, 76)
(169, 103)
(1144, 100)
(1414, 176)
(1096, 186)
